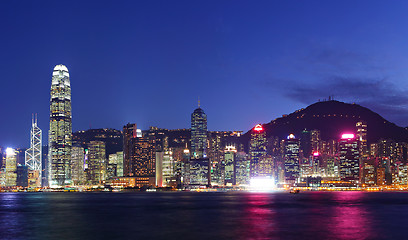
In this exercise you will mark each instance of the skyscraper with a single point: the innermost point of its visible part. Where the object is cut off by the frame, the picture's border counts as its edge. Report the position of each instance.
(129, 134)
(138, 152)
(215, 154)
(77, 164)
(292, 170)
(200, 170)
(11, 167)
(241, 168)
(164, 168)
(117, 160)
(229, 168)
(315, 140)
(368, 172)
(143, 158)
(60, 133)
(33, 155)
(349, 158)
(198, 134)
(362, 138)
(96, 162)
(257, 149)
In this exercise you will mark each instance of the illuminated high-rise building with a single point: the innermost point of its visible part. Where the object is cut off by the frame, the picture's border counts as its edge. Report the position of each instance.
(362, 138)
(198, 134)
(331, 168)
(315, 163)
(242, 168)
(200, 169)
(144, 158)
(77, 165)
(96, 162)
(291, 159)
(60, 133)
(165, 168)
(349, 158)
(315, 140)
(11, 168)
(368, 172)
(129, 134)
(401, 177)
(117, 160)
(139, 157)
(159, 168)
(199, 172)
(216, 156)
(257, 149)
(387, 155)
(380, 176)
(229, 165)
(33, 155)
(185, 173)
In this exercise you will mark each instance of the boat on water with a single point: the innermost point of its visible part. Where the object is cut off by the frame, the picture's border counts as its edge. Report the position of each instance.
(294, 191)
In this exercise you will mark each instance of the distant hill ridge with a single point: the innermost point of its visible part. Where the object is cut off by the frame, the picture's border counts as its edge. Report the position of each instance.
(333, 118)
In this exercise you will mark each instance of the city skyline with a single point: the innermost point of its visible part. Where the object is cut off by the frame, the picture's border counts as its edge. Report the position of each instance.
(229, 119)
(240, 53)
(222, 130)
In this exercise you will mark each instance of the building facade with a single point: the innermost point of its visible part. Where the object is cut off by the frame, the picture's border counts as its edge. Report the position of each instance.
(291, 159)
(362, 138)
(33, 155)
(11, 168)
(198, 134)
(129, 134)
(60, 133)
(97, 162)
(257, 149)
(349, 158)
(77, 165)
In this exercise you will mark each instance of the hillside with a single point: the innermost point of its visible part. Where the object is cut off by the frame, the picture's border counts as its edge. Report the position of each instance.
(333, 118)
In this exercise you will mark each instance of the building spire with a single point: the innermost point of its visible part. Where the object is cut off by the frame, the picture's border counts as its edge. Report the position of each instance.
(199, 104)
(34, 119)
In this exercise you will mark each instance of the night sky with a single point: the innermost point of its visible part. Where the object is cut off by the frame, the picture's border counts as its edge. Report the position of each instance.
(248, 61)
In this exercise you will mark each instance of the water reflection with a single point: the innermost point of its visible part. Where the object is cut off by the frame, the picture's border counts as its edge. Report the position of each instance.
(10, 217)
(308, 215)
(350, 219)
(259, 219)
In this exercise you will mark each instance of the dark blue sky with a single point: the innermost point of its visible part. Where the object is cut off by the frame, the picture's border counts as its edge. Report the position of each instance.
(248, 61)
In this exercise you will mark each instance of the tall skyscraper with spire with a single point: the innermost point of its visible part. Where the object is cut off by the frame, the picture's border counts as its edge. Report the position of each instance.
(198, 133)
(199, 163)
(60, 133)
(33, 155)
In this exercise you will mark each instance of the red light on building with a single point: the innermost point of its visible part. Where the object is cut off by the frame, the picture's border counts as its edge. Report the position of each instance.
(347, 136)
(316, 154)
(291, 136)
(258, 128)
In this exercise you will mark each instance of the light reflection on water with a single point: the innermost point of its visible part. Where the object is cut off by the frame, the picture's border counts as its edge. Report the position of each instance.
(10, 217)
(310, 215)
(259, 217)
(350, 220)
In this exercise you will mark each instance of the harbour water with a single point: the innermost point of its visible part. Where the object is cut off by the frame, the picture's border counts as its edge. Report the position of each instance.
(209, 215)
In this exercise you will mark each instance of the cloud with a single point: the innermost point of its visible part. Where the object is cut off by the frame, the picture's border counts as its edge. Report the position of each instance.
(380, 95)
(349, 77)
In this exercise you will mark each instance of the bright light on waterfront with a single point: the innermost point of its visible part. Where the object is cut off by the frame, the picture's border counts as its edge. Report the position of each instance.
(262, 184)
